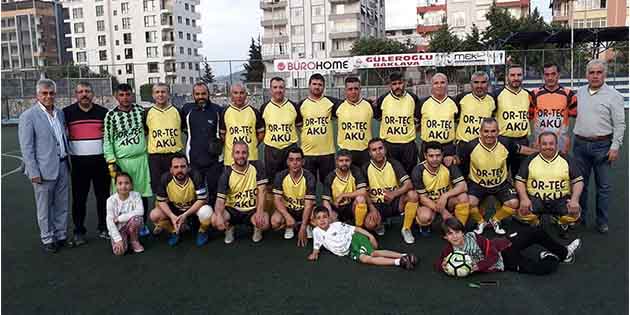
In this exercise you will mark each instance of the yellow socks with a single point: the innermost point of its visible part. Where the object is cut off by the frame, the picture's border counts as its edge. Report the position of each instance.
(166, 225)
(462, 211)
(474, 214)
(503, 213)
(567, 219)
(410, 213)
(360, 211)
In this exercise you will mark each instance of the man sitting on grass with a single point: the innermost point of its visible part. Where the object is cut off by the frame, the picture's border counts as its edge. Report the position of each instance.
(342, 239)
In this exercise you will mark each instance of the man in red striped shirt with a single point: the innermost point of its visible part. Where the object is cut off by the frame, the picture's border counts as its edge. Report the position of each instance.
(84, 121)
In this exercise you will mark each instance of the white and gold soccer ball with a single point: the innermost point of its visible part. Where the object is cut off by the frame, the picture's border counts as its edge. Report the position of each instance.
(458, 264)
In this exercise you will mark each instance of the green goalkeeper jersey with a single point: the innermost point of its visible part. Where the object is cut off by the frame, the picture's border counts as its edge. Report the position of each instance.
(124, 135)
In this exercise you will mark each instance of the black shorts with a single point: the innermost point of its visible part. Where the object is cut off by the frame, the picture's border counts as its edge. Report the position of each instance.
(504, 192)
(159, 163)
(405, 153)
(275, 161)
(514, 160)
(344, 213)
(296, 214)
(320, 164)
(388, 210)
(239, 217)
(360, 158)
(556, 207)
(176, 211)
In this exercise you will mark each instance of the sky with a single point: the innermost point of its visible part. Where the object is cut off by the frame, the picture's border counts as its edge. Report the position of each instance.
(227, 27)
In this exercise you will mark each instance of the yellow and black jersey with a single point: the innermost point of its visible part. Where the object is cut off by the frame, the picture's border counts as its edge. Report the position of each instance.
(513, 112)
(399, 116)
(381, 179)
(435, 184)
(182, 195)
(239, 189)
(280, 122)
(488, 166)
(335, 184)
(548, 179)
(295, 192)
(240, 124)
(317, 129)
(472, 110)
(354, 124)
(438, 119)
(164, 130)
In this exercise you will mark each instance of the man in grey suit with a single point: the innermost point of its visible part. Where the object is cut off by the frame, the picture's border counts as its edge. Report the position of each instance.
(44, 147)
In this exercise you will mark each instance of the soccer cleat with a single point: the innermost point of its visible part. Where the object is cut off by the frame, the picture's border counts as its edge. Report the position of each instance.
(288, 233)
(496, 225)
(202, 238)
(173, 239)
(425, 231)
(564, 231)
(405, 263)
(157, 230)
(571, 249)
(380, 230)
(602, 228)
(309, 232)
(229, 235)
(103, 234)
(257, 236)
(413, 259)
(137, 247)
(407, 236)
(544, 254)
(480, 227)
(78, 240)
(50, 247)
(145, 231)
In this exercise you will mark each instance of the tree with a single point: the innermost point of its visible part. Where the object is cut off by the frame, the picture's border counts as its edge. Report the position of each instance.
(443, 40)
(146, 92)
(379, 46)
(255, 68)
(208, 76)
(472, 42)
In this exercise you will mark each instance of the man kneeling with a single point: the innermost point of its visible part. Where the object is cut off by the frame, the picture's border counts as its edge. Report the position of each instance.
(241, 196)
(345, 194)
(181, 193)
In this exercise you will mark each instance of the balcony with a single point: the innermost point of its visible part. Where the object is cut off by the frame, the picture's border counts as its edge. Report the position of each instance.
(276, 56)
(339, 53)
(345, 35)
(195, 15)
(196, 29)
(269, 39)
(168, 37)
(422, 29)
(167, 21)
(169, 68)
(273, 21)
(167, 5)
(272, 4)
(345, 16)
(342, 1)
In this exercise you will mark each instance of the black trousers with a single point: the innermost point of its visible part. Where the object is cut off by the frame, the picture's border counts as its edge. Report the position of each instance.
(514, 160)
(88, 170)
(159, 163)
(211, 174)
(320, 165)
(514, 260)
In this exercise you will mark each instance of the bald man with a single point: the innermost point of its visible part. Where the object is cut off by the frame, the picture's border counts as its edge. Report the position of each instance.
(240, 122)
(438, 114)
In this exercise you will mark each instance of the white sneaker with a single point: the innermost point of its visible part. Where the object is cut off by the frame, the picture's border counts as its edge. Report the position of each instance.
(288, 233)
(407, 236)
(309, 232)
(544, 254)
(257, 236)
(496, 225)
(229, 235)
(380, 230)
(480, 227)
(571, 248)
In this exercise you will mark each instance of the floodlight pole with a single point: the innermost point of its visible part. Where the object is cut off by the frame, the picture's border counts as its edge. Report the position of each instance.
(572, 37)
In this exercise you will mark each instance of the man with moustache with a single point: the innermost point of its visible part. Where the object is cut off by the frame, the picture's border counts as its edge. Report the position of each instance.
(85, 121)
(203, 146)
(354, 123)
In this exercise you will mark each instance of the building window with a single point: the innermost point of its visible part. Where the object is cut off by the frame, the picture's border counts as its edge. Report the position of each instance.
(129, 68)
(116, 28)
(131, 83)
(126, 23)
(297, 30)
(298, 49)
(191, 80)
(318, 28)
(124, 8)
(197, 66)
(149, 20)
(187, 21)
(99, 10)
(148, 5)
(189, 52)
(183, 80)
(100, 26)
(151, 37)
(77, 13)
(79, 28)
(81, 56)
(194, 37)
(194, 22)
(154, 80)
(102, 55)
(102, 69)
(102, 40)
(190, 66)
(153, 67)
(181, 35)
(186, 6)
(182, 65)
(79, 42)
(318, 10)
(459, 18)
(117, 43)
(192, 8)
(115, 13)
(128, 53)
(188, 36)
(152, 52)
(179, 20)
(127, 38)
(319, 46)
(118, 58)
(339, 9)
(297, 13)
(196, 52)
(181, 50)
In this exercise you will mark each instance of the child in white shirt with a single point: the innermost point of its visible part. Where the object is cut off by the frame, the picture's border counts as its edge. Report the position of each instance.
(124, 216)
(342, 239)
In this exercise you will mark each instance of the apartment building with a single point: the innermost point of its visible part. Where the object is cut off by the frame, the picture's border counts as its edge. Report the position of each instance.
(294, 29)
(590, 13)
(431, 16)
(463, 14)
(138, 41)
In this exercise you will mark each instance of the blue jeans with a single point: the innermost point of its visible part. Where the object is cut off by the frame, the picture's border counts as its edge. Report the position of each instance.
(594, 155)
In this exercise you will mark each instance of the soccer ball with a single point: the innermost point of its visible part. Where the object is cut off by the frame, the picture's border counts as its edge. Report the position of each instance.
(458, 264)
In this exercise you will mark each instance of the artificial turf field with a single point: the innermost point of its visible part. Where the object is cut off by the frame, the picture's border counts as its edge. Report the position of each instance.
(274, 277)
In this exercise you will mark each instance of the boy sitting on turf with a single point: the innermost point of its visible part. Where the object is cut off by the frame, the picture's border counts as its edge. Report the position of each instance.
(342, 239)
(124, 216)
(502, 254)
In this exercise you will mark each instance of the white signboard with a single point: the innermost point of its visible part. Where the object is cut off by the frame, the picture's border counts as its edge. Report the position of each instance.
(315, 65)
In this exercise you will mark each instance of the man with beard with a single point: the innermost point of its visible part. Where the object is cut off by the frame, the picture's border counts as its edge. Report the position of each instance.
(399, 113)
(241, 196)
(125, 145)
(203, 146)
(354, 123)
(345, 194)
(317, 130)
(84, 121)
(513, 114)
(181, 193)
